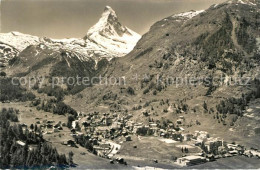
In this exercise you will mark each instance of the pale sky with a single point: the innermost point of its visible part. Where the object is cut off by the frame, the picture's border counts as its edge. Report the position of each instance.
(72, 18)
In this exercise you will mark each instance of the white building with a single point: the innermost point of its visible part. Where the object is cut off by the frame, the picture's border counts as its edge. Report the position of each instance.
(191, 160)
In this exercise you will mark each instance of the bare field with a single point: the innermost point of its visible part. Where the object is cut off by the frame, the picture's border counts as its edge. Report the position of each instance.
(153, 148)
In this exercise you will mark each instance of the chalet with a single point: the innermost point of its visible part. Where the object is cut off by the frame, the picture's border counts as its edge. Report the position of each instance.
(24, 127)
(100, 151)
(95, 141)
(108, 121)
(213, 144)
(20, 143)
(49, 126)
(201, 136)
(232, 146)
(7, 50)
(117, 125)
(50, 121)
(153, 125)
(57, 125)
(69, 143)
(170, 125)
(163, 135)
(128, 116)
(181, 117)
(56, 130)
(79, 133)
(124, 133)
(33, 147)
(88, 117)
(128, 138)
(86, 123)
(187, 137)
(73, 131)
(191, 160)
(179, 121)
(222, 150)
(233, 152)
(104, 145)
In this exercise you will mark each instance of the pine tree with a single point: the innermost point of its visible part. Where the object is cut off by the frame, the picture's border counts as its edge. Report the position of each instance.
(32, 127)
(71, 158)
(205, 106)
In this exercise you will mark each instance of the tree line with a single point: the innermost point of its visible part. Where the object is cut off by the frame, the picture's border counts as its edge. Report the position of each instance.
(24, 148)
(10, 91)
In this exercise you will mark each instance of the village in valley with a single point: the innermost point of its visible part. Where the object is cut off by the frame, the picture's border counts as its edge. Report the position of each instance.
(184, 94)
(106, 134)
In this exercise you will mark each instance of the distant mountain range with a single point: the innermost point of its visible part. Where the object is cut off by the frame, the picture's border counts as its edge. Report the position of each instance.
(106, 39)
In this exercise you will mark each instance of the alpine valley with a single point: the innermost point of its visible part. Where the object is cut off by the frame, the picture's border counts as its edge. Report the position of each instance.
(186, 94)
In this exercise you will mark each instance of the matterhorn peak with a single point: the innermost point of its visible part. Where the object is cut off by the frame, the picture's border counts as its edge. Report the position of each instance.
(108, 24)
(109, 10)
(111, 34)
(109, 15)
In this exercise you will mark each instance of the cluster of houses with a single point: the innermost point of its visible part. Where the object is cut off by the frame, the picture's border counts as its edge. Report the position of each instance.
(49, 126)
(212, 149)
(102, 129)
(45, 126)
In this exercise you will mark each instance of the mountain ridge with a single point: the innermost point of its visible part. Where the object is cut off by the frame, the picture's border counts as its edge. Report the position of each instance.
(115, 44)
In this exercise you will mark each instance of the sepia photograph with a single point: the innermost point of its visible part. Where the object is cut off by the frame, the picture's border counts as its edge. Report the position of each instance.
(129, 84)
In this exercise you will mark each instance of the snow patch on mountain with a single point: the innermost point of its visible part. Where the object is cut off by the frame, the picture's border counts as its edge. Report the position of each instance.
(247, 2)
(18, 40)
(187, 15)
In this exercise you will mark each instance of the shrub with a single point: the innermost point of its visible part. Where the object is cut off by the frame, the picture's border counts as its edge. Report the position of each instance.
(2, 74)
(130, 91)
(146, 91)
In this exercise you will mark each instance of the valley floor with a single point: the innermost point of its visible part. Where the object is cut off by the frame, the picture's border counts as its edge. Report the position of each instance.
(147, 151)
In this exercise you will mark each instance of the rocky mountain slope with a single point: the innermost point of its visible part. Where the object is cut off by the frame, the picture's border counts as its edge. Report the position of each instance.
(196, 57)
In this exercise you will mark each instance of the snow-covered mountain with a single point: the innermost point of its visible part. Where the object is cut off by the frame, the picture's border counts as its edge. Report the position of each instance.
(106, 39)
(12, 43)
(110, 34)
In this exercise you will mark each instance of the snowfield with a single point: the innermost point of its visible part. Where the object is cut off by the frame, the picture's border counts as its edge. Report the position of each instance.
(188, 15)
